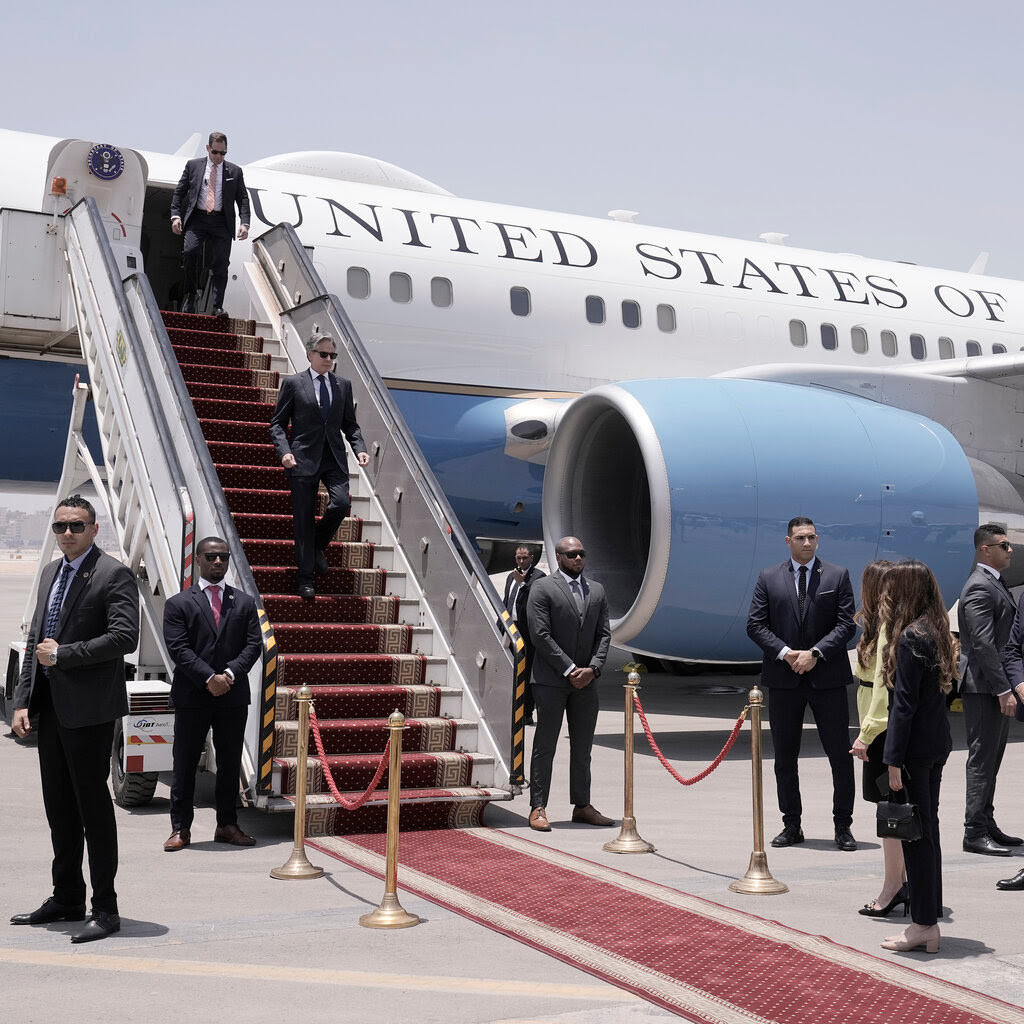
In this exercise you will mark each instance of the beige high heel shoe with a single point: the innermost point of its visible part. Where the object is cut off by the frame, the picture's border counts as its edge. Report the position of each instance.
(901, 944)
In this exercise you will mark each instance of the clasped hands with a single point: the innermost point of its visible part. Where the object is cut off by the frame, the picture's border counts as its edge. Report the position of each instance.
(800, 661)
(581, 677)
(219, 684)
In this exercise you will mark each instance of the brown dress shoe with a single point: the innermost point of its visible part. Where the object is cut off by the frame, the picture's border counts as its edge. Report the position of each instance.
(178, 840)
(539, 820)
(232, 834)
(589, 815)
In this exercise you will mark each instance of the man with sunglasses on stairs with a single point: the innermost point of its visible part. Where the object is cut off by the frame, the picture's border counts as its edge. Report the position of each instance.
(314, 409)
(70, 692)
(212, 632)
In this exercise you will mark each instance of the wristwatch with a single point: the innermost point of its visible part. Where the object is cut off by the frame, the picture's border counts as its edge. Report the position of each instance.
(817, 654)
(52, 658)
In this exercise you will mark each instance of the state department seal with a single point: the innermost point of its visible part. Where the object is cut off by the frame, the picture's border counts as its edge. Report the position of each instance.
(105, 162)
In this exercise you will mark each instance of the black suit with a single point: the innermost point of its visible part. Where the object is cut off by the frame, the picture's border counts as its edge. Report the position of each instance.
(774, 623)
(563, 638)
(218, 228)
(516, 606)
(986, 618)
(77, 702)
(319, 451)
(201, 649)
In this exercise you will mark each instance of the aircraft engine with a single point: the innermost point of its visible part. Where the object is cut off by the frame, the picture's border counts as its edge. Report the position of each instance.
(681, 491)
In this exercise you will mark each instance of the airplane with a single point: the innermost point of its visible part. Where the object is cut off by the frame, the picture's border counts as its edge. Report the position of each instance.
(671, 398)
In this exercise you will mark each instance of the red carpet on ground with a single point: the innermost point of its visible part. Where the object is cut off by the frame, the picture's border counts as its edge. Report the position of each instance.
(705, 962)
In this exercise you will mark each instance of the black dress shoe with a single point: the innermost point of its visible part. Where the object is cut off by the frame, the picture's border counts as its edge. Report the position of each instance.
(1000, 837)
(789, 836)
(845, 840)
(320, 566)
(220, 311)
(99, 926)
(986, 845)
(50, 911)
(306, 590)
(1015, 884)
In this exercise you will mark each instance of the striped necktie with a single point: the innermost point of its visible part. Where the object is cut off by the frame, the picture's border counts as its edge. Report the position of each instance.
(211, 189)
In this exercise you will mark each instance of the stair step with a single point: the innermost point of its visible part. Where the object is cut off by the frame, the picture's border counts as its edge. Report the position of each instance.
(344, 555)
(282, 527)
(222, 357)
(223, 408)
(370, 735)
(360, 701)
(229, 376)
(334, 638)
(239, 454)
(204, 321)
(284, 608)
(368, 669)
(218, 339)
(365, 582)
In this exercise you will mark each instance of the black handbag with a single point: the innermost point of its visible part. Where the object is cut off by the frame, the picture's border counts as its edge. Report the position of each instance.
(898, 820)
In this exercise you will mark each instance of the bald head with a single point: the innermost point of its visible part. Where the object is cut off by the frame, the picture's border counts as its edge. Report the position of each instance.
(570, 555)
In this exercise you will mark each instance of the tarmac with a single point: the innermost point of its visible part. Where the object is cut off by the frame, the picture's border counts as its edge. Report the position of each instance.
(208, 934)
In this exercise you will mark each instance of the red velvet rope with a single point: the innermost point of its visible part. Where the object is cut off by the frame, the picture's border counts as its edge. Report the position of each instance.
(349, 805)
(664, 760)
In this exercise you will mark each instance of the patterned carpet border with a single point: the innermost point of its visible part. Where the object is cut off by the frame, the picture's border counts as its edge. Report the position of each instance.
(830, 982)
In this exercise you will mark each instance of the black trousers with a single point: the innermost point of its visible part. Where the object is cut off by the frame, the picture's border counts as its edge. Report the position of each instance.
(310, 536)
(211, 228)
(74, 765)
(921, 781)
(579, 708)
(831, 711)
(190, 728)
(987, 728)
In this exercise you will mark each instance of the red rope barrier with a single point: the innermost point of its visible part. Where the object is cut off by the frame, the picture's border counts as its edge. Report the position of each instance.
(349, 805)
(664, 760)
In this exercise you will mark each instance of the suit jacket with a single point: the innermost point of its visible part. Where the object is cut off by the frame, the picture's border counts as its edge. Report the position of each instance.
(200, 649)
(1013, 657)
(98, 626)
(774, 623)
(233, 192)
(561, 638)
(986, 619)
(297, 404)
(918, 724)
(521, 615)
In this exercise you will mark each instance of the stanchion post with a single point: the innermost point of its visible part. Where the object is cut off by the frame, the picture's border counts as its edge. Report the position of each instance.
(758, 880)
(297, 865)
(628, 839)
(390, 913)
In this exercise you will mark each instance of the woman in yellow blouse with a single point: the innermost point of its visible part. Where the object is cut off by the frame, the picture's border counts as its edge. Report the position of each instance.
(873, 709)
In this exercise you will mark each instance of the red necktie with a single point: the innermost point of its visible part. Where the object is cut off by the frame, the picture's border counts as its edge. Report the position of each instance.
(215, 603)
(211, 189)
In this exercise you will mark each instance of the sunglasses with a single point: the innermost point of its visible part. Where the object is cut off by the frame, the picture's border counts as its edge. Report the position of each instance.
(76, 527)
(574, 554)
(218, 152)
(333, 356)
(1004, 544)
(217, 556)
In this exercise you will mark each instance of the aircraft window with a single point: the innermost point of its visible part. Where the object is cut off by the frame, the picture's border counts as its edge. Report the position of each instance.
(630, 313)
(401, 287)
(798, 333)
(358, 283)
(973, 348)
(945, 348)
(889, 347)
(595, 309)
(859, 340)
(441, 291)
(519, 299)
(998, 350)
(918, 348)
(829, 338)
(666, 318)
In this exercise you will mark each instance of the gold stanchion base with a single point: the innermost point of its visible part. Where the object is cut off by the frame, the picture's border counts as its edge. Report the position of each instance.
(297, 866)
(389, 915)
(758, 880)
(628, 840)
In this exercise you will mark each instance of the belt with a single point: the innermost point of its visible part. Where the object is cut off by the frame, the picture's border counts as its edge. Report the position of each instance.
(865, 682)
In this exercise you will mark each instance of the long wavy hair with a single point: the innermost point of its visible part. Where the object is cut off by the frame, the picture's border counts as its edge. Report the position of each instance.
(868, 615)
(911, 600)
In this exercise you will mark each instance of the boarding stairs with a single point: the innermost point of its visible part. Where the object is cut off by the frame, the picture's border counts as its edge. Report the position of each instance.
(405, 619)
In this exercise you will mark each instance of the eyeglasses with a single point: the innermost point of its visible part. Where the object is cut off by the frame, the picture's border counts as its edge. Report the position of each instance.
(76, 527)
(216, 556)
(574, 554)
(328, 355)
(1004, 544)
(218, 152)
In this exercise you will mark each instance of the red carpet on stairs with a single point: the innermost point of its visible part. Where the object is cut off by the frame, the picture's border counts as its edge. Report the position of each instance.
(705, 962)
(351, 644)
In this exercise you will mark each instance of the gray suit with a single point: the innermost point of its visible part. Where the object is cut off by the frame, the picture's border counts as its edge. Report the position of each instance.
(563, 638)
(986, 618)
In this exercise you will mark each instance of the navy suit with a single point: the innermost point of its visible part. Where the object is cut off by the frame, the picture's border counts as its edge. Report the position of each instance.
(217, 228)
(319, 452)
(985, 616)
(563, 638)
(774, 623)
(77, 704)
(1013, 657)
(201, 649)
(522, 620)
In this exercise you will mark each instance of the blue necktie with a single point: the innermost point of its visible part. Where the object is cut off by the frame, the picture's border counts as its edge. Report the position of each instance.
(325, 402)
(53, 612)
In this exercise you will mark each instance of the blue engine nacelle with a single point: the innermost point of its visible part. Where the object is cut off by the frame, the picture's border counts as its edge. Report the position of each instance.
(681, 491)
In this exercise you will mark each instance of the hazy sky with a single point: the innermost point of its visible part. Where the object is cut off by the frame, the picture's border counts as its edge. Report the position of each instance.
(888, 128)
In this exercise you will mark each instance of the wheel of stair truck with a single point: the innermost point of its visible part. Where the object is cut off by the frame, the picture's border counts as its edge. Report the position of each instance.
(131, 789)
